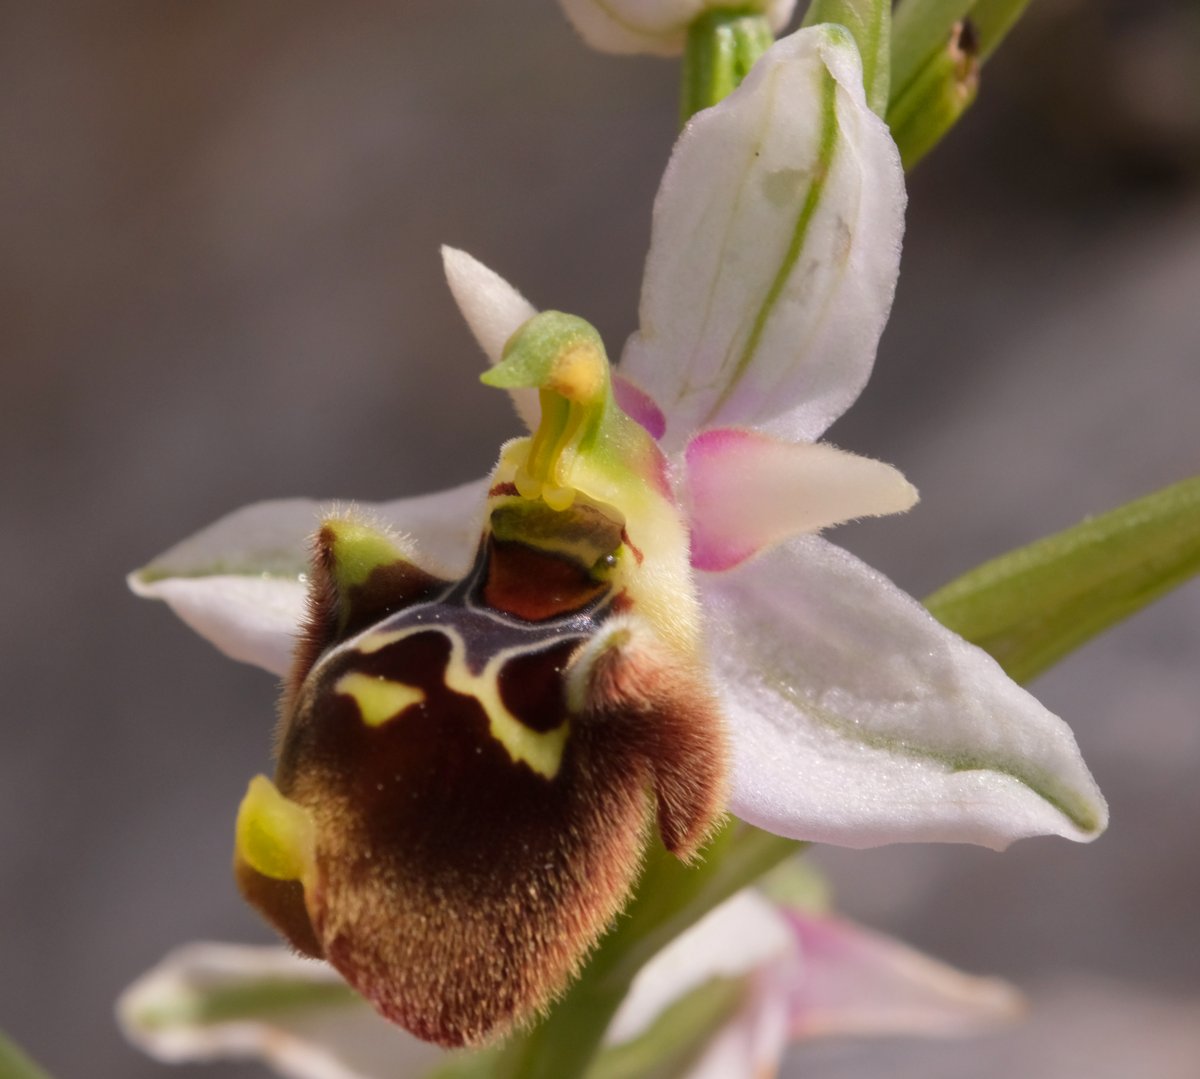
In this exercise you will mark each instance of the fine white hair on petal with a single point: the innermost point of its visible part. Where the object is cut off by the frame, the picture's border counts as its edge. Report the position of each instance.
(240, 584)
(658, 27)
(774, 250)
(741, 935)
(856, 718)
(494, 311)
(443, 526)
(745, 492)
(206, 1002)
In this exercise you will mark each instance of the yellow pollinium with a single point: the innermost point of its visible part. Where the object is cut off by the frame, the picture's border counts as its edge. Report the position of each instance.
(274, 835)
(579, 373)
(378, 699)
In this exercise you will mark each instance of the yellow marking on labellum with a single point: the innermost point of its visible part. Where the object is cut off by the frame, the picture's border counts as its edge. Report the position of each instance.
(379, 699)
(541, 750)
(274, 835)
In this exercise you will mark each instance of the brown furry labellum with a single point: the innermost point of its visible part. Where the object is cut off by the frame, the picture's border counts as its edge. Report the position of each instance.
(480, 761)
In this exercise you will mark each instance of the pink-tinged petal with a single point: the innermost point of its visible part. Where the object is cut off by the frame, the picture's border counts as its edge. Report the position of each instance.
(745, 492)
(494, 311)
(774, 250)
(239, 583)
(855, 718)
(652, 26)
(853, 982)
(207, 1002)
(639, 406)
(740, 936)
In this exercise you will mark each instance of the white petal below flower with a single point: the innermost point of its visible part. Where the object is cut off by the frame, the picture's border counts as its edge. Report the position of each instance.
(741, 935)
(857, 719)
(752, 1043)
(494, 311)
(239, 582)
(774, 251)
(653, 26)
(807, 976)
(207, 1002)
(746, 492)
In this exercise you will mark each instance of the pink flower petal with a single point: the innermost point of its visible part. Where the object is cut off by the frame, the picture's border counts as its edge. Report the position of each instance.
(745, 492)
(855, 982)
(639, 406)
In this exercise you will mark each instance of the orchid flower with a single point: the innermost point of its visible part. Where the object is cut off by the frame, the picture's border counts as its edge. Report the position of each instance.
(780, 976)
(488, 688)
(654, 26)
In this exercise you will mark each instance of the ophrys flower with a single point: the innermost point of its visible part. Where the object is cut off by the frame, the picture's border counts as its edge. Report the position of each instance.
(481, 712)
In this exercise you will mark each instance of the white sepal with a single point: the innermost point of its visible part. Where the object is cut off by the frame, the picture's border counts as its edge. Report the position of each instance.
(774, 250)
(239, 583)
(494, 311)
(857, 719)
(294, 1014)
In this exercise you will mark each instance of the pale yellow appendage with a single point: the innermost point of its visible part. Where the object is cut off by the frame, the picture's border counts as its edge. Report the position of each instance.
(274, 835)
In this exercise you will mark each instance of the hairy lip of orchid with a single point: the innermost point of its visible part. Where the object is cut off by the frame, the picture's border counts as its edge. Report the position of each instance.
(461, 796)
(476, 731)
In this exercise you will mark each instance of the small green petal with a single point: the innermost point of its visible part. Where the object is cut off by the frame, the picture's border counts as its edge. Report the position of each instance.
(1032, 606)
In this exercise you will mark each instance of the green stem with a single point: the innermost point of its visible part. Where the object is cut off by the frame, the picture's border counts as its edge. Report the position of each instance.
(870, 24)
(722, 46)
(934, 100)
(14, 1064)
(1030, 607)
(993, 19)
(921, 28)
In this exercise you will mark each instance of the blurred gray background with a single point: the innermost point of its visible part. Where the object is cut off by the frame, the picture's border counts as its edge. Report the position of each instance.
(219, 282)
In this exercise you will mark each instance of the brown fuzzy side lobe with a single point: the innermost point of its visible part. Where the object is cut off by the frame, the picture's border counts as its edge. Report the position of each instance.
(664, 710)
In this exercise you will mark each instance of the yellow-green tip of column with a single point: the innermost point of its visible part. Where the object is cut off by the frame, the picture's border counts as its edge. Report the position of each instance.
(274, 835)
